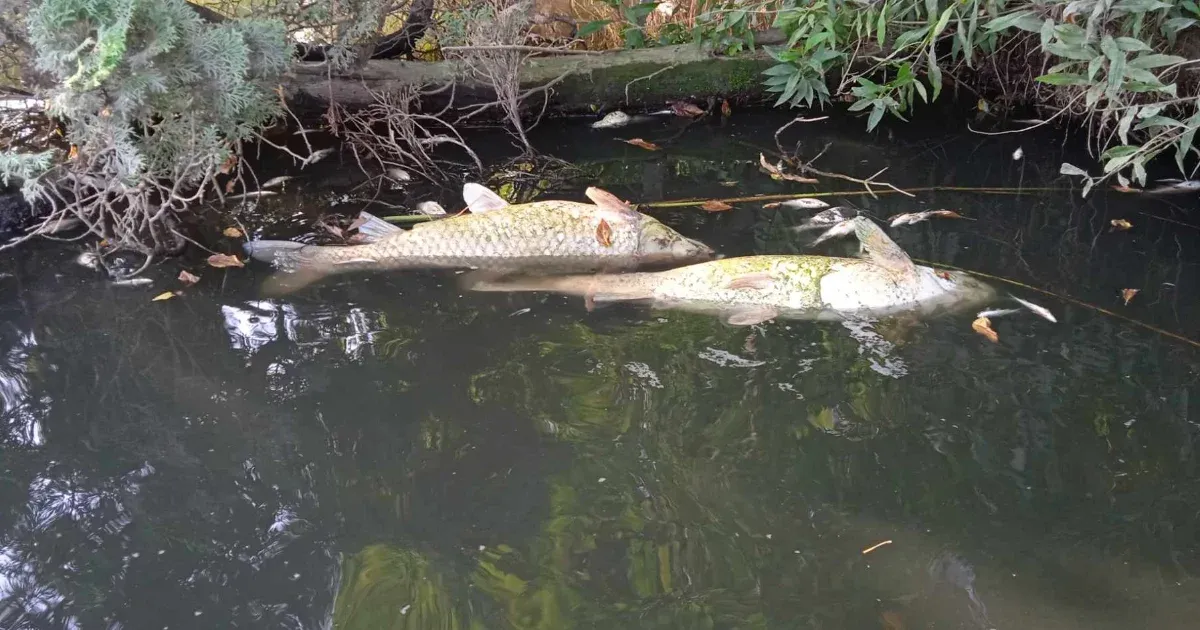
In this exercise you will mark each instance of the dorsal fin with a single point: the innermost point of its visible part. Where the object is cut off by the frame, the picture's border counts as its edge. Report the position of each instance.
(480, 199)
(881, 249)
(610, 203)
(371, 228)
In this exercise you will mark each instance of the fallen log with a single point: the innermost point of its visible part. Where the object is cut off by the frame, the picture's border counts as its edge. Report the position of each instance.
(573, 83)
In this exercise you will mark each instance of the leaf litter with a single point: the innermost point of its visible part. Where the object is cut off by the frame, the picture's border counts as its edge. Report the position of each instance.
(638, 142)
(221, 261)
(983, 326)
(1127, 295)
(712, 205)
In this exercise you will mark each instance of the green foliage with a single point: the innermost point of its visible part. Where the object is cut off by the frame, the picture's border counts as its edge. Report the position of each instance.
(1107, 60)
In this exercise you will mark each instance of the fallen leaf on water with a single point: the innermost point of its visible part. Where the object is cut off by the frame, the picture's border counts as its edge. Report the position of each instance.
(712, 205)
(1124, 189)
(729, 184)
(604, 233)
(188, 278)
(771, 169)
(232, 232)
(224, 260)
(229, 185)
(638, 142)
(983, 326)
(776, 172)
(916, 217)
(1121, 224)
(1127, 294)
(891, 620)
(725, 109)
(73, 153)
(165, 296)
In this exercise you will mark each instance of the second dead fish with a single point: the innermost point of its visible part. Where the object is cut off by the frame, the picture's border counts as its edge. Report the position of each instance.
(826, 219)
(804, 203)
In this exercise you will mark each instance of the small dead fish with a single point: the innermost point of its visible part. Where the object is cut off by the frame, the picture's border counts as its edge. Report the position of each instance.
(804, 203)
(132, 282)
(949, 568)
(845, 228)
(1178, 187)
(91, 260)
(399, 174)
(1035, 308)
(56, 226)
(317, 156)
(916, 217)
(1018, 154)
(826, 218)
(254, 194)
(275, 181)
(430, 208)
(997, 312)
(612, 120)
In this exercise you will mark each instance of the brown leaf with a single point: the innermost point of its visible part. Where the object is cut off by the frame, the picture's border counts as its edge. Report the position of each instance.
(712, 205)
(1121, 224)
(771, 169)
(604, 233)
(638, 142)
(1124, 189)
(773, 205)
(73, 153)
(188, 278)
(165, 296)
(232, 232)
(944, 275)
(777, 174)
(1127, 294)
(229, 186)
(229, 164)
(983, 326)
(333, 229)
(725, 109)
(221, 261)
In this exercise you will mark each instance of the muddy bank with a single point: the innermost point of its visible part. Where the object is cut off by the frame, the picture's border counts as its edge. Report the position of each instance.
(578, 83)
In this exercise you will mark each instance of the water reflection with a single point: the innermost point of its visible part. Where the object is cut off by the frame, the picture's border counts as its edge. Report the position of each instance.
(354, 459)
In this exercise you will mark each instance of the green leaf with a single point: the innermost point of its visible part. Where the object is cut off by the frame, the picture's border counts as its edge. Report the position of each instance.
(943, 21)
(1124, 123)
(920, 87)
(1129, 44)
(860, 105)
(1119, 151)
(1082, 53)
(881, 25)
(1094, 66)
(1159, 121)
(876, 115)
(1093, 94)
(935, 75)
(909, 37)
(591, 27)
(783, 69)
(1184, 146)
(1007, 21)
(1108, 46)
(1063, 78)
(1071, 169)
(1142, 76)
(1140, 6)
(1174, 25)
(1070, 34)
(1047, 33)
(1148, 62)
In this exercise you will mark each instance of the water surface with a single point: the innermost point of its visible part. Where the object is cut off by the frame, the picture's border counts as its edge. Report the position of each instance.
(382, 451)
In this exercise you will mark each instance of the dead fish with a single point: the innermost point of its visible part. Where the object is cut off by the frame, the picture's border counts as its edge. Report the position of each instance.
(562, 236)
(399, 174)
(89, 259)
(949, 568)
(253, 194)
(613, 120)
(752, 289)
(917, 217)
(317, 156)
(275, 181)
(997, 312)
(826, 218)
(1035, 308)
(57, 226)
(430, 208)
(131, 282)
(1178, 187)
(804, 203)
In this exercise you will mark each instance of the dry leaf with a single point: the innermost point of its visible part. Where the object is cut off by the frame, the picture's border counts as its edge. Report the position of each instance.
(604, 233)
(777, 173)
(165, 296)
(232, 232)
(362, 218)
(638, 142)
(1127, 294)
(229, 164)
(224, 260)
(333, 229)
(1124, 189)
(771, 169)
(188, 278)
(725, 109)
(983, 326)
(229, 186)
(712, 205)
(1121, 224)
(944, 275)
(73, 153)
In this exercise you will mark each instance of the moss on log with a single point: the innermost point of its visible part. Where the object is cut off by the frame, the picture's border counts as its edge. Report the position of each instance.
(581, 82)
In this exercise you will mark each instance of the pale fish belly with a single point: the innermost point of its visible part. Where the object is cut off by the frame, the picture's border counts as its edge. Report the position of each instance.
(863, 286)
(785, 282)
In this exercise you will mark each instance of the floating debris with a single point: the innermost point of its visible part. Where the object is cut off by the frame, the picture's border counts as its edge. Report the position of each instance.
(131, 282)
(613, 120)
(254, 194)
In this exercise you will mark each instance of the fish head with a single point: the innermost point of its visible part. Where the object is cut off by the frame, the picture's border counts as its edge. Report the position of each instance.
(659, 243)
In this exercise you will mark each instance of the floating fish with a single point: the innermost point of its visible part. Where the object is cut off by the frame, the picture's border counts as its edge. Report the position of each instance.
(805, 203)
(132, 282)
(551, 235)
(1176, 187)
(430, 208)
(253, 194)
(613, 120)
(917, 217)
(753, 289)
(827, 218)
(275, 181)
(317, 156)
(1035, 308)
(996, 312)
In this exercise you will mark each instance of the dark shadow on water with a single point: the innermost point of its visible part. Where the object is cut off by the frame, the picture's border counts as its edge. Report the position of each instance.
(383, 451)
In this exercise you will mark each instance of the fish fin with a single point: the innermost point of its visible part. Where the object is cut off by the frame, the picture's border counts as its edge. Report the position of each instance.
(372, 228)
(480, 199)
(751, 315)
(758, 280)
(881, 249)
(610, 202)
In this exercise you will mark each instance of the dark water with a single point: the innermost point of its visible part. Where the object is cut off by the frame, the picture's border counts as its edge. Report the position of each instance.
(384, 452)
